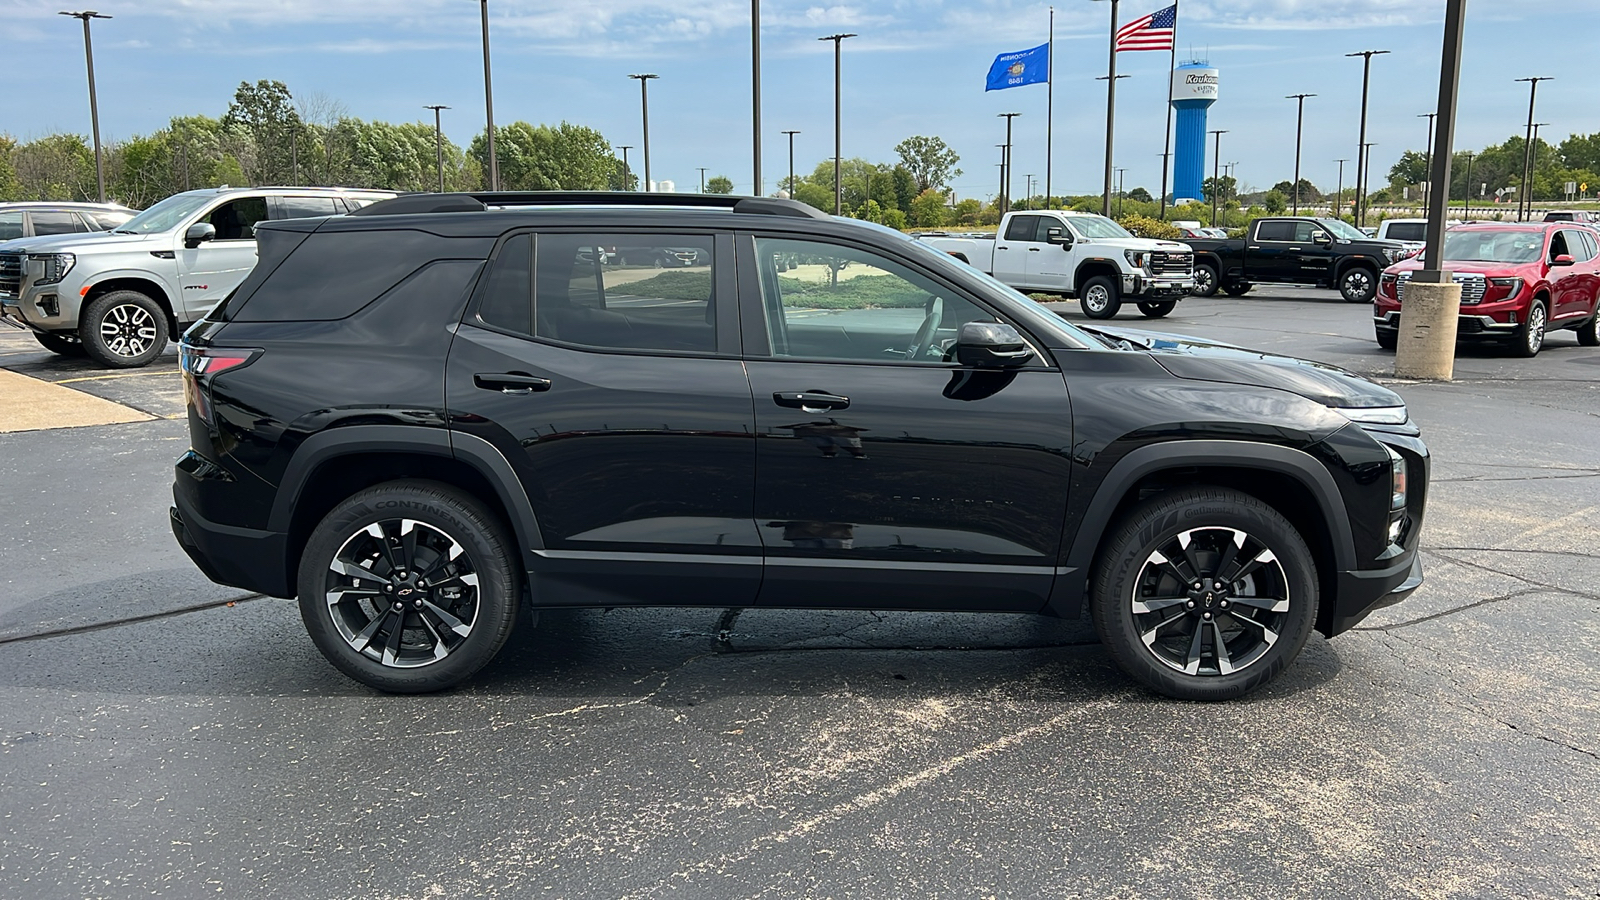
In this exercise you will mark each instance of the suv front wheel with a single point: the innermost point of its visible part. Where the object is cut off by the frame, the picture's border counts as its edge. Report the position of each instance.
(1204, 593)
(123, 329)
(1358, 284)
(409, 586)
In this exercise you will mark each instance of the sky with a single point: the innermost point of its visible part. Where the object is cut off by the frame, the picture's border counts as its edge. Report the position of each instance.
(917, 67)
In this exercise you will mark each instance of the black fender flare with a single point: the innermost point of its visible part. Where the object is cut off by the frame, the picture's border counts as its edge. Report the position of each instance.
(1346, 263)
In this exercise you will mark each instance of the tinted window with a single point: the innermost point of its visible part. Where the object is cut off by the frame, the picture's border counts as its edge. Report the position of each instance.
(508, 296)
(1408, 231)
(333, 274)
(1045, 224)
(1022, 228)
(1590, 244)
(827, 301)
(236, 220)
(10, 226)
(1558, 245)
(1305, 232)
(105, 221)
(1577, 246)
(1277, 230)
(305, 207)
(626, 291)
(55, 223)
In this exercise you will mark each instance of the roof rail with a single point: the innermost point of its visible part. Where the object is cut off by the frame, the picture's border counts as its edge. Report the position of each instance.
(410, 204)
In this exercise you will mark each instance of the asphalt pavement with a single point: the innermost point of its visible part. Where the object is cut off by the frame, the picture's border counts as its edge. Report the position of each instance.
(163, 736)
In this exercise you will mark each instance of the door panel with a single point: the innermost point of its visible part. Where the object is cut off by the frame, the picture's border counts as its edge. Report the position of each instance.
(212, 270)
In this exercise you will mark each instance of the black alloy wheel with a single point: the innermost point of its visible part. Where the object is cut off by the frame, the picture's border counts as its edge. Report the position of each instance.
(60, 344)
(1206, 281)
(123, 329)
(1358, 284)
(1156, 310)
(1528, 339)
(1204, 594)
(409, 586)
(1099, 298)
(1589, 332)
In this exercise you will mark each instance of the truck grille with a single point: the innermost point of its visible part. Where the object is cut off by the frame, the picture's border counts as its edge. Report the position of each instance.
(1163, 262)
(10, 274)
(1472, 287)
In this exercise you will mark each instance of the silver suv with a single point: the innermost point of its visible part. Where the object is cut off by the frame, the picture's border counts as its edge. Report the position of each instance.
(118, 297)
(30, 219)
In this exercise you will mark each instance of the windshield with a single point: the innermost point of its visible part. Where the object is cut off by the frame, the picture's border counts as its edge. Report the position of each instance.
(1498, 245)
(1342, 229)
(1097, 227)
(166, 215)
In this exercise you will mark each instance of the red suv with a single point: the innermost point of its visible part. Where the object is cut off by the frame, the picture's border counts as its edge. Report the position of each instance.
(1517, 282)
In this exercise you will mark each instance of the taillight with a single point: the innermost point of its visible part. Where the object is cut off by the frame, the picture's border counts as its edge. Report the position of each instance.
(200, 365)
(1501, 289)
(1387, 286)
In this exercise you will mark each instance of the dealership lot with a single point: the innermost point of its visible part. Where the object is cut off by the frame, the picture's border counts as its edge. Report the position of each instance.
(160, 734)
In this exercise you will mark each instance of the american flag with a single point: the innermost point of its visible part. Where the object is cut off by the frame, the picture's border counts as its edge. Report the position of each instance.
(1153, 32)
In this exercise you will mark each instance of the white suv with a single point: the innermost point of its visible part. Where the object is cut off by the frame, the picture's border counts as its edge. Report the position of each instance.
(119, 296)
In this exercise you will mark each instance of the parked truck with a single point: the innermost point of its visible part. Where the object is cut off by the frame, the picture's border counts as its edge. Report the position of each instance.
(1078, 255)
(1295, 250)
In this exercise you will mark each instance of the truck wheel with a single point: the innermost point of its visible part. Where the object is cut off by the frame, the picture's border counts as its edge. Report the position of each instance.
(1529, 336)
(1157, 310)
(123, 329)
(60, 344)
(1204, 593)
(1589, 332)
(1358, 284)
(1238, 289)
(414, 601)
(1099, 298)
(1205, 280)
(1387, 339)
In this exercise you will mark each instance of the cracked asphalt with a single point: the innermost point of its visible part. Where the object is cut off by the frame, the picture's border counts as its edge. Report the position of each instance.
(163, 736)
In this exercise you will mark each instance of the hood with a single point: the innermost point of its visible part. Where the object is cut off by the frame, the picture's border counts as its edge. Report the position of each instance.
(1138, 244)
(1465, 267)
(74, 243)
(1201, 360)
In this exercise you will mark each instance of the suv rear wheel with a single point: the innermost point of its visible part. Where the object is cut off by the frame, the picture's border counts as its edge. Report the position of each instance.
(1205, 280)
(1589, 332)
(60, 344)
(409, 586)
(1204, 593)
(123, 329)
(1358, 284)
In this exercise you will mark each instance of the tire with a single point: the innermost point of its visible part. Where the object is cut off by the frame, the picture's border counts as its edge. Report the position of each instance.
(1149, 563)
(60, 344)
(1238, 289)
(1205, 280)
(1099, 298)
(1387, 339)
(123, 330)
(1528, 339)
(1589, 332)
(428, 652)
(1159, 309)
(1358, 284)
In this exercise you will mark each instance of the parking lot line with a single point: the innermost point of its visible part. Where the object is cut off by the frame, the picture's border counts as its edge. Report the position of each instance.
(113, 375)
(28, 404)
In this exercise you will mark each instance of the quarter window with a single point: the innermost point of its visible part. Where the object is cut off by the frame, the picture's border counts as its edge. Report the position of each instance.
(828, 301)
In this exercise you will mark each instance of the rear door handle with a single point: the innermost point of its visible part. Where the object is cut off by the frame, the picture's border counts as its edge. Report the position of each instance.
(511, 382)
(1003, 248)
(1033, 249)
(810, 401)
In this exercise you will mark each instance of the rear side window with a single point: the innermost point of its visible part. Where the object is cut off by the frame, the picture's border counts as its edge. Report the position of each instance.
(10, 225)
(305, 207)
(1275, 231)
(333, 274)
(55, 223)
(1022, 228)
(105, 221)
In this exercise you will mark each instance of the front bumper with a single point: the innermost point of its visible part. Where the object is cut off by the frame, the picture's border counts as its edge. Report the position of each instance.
(1134, 285)
(1467, 325)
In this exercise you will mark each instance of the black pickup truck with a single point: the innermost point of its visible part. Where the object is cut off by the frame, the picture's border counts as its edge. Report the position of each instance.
(1294, 250)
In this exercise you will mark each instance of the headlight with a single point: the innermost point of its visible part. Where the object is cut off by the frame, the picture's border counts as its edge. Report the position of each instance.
(1135, 258)
(1393, 256)
(1397, 479)
(56, 266)
(1378, 415)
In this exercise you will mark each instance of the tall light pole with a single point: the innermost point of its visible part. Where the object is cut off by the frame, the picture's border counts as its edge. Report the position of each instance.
(1533, 164)
(94, 105)
(1366, 80)
(1119, 172)
(755, 91)
(1299, 124)
(702, 178)
(626, 171)
(1216, 173)
(1338, 197)
(1466, 208)
(838, 185)
(1029, 181)
(1005, 175)
(1366, 177)
(438, 141)
(1527, 147)
(644, 105)
(791, 135)
(488, 102)
(1006, 205)
(1111, 112)
(1429, 189)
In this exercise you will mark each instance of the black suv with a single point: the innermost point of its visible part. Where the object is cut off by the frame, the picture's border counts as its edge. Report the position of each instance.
(424, 414)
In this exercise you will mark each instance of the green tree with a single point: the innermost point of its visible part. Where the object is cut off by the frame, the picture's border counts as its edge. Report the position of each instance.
(905, 187)
(264, 115)
(1412, 168)
(720, 184)
(966, 212)
(928, 209)
(1275, 202)
(813, 194)
(10, 187)
(1141, 195)
(1229, 188)
(621, 178)
(565, 157)
(929, 160)
(55, 167)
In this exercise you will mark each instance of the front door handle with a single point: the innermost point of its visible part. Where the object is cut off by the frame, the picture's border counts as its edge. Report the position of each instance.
(1002, 248)
(511, 382)
(1033, 249)
(814, 402)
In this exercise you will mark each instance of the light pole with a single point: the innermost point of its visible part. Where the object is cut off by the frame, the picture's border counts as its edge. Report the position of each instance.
(702, 178)
(755, 92)
(1216, 174)
(1366, 178)
(1338, 197)
(488, 102)
(626, 171)
(1005, 174)
(1028, 179)
(1299, 124)
(1527, 147)
(791, 135)
(1466, 207)
(1533, 165)
(838, 185)
(1111, 112)
(644, 105)
(438, 141)
(94, 106)
(1366, 79)
(1006, 205)
(1430, 117)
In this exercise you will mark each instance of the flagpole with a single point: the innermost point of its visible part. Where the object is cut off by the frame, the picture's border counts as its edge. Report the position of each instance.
(1166, 148)
(1111, 113)
(1050, 106)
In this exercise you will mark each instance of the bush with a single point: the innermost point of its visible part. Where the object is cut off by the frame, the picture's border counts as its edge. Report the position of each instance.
(1146, 227)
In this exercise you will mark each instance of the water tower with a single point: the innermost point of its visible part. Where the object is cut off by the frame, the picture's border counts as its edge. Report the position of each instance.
(1194, 89)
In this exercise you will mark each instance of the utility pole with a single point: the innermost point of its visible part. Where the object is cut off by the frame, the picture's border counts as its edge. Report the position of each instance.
(644, 105)
(626, 171)
(94, 105)
(1533, 164)
(1338, 197)
(438, 142)
(1028, 180)
(1006, 203)
(1111, 113)
(1429, 189)
(702, 178)
(488, 103)
(791, 135)
(1119, 172)
(838, 185)
(1366, 80)
(1527, 147)
(1299, 124)
(1216, 175)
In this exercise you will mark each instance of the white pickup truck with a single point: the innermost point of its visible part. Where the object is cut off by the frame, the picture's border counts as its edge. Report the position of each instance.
(1078, 254)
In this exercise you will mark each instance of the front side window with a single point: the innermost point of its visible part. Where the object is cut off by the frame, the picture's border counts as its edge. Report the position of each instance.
(1098, 228)
(829, 301)
(236, 220)
(1342, 229)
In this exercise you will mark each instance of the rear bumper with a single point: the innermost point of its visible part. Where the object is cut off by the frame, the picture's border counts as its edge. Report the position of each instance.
(240, 557)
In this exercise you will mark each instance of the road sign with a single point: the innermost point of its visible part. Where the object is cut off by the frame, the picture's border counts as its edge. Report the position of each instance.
(1572, 187)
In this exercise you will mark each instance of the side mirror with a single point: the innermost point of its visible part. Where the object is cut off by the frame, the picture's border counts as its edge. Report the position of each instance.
(991, 345)
(1562, 260)
(1323, 238)
(199, 233)
(1058, 236)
